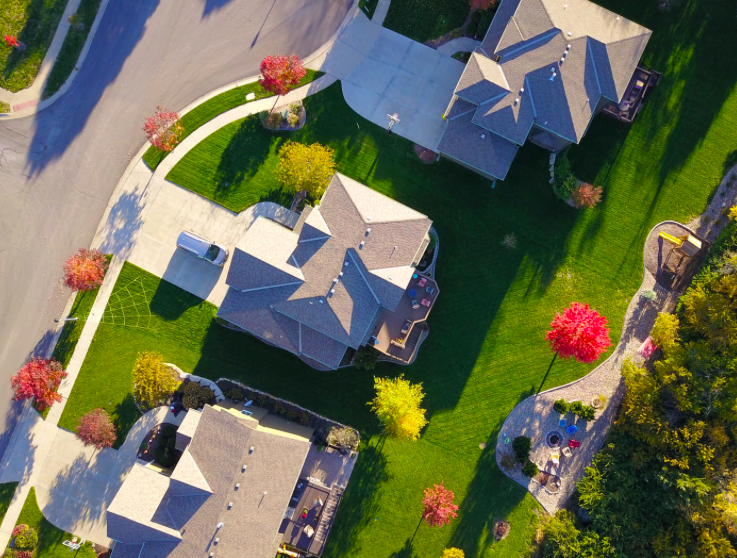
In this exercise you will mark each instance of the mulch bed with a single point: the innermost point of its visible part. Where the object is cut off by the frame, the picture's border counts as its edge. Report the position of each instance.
(427, 156)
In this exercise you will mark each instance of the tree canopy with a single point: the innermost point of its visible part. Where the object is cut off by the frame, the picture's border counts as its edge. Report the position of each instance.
(39, 379)
(397, 405)
(579, 332)
(439, 506)
(280, 73)
(153, 382)
(163, 129)
(96, 429)
(85, 270)
(305, 167)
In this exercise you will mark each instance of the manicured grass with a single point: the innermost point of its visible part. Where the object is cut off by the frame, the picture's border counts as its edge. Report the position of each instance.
(72, 47)
(6, 495)
(50, 537)
(216, 106)
(423, 20)
(34, 23)
(368, 7)
(487, 349)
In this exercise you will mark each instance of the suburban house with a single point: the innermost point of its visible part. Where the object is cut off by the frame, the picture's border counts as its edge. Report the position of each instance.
(344, 277)
(239, 489)
(543, 71)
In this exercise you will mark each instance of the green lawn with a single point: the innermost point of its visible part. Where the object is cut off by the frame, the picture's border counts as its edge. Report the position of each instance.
(6, 495)
(72, 47)
(34, 22)
(50, 538)
(486, 350)
(424, 20)
(213, 107)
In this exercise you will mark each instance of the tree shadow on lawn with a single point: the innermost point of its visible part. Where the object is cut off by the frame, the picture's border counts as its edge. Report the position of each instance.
(124, 417)
(359, 504)
(280, 196)
(245, 154)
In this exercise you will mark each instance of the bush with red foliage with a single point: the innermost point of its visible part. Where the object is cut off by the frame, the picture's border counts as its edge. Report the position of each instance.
(280, 74)
(39, 379)
(579, 333)
(96, 429)
(586, 195)
(163, 129)
(439, 506)
(11, 41)
(85, 270)
(481, 5)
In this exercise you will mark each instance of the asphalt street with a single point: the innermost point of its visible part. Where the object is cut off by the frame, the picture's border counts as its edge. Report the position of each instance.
(59, 167)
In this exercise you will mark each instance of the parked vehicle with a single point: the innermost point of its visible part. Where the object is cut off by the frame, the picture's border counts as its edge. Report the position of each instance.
(213, 253)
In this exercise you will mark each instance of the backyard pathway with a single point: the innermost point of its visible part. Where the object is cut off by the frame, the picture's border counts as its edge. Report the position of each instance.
(534, 417)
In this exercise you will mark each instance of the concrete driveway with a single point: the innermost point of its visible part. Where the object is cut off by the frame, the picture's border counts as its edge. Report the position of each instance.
(383, 73)
(146, 218)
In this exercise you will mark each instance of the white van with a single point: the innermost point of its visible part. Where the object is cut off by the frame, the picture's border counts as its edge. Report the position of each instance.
(216, 255)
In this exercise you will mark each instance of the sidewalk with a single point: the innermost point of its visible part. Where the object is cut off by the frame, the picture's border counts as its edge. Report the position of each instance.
(29, 101)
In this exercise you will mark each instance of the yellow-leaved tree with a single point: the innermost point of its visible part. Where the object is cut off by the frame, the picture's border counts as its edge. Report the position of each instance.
(153, 382)
(305, 167)
(453, 553)
(397, 406)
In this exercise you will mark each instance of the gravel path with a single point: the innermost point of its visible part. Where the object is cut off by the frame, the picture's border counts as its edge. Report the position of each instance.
(534, 417)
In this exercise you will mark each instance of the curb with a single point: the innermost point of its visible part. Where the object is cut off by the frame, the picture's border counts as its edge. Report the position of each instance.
(68, 83)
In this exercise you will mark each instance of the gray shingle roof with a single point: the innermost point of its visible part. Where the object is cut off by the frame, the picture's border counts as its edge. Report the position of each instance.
(557, 59)
(221, 446)
(377, 237)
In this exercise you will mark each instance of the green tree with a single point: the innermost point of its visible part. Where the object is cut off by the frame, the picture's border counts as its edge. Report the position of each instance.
(453, 553)
(305, 167)
(397, 406)
(153, 382)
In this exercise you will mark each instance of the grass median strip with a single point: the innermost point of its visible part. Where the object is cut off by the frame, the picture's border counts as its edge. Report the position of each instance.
(72, 46)
(211, 108)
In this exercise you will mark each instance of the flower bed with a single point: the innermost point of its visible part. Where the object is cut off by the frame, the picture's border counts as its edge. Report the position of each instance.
(284, 119)
(288, 410)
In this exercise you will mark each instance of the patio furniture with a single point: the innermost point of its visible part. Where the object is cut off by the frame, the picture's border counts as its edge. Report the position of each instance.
(406, 326)
(562, 423)
(572, 429)
(426, 302)
(429, 290)
(415, 305)
(412, 293)
(414, 276)
(247, 413)
(567, 452)
(422, 282)
(573, 444)
(248, 403)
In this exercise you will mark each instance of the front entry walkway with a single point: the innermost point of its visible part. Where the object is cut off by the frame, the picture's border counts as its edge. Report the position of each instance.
(383, 72)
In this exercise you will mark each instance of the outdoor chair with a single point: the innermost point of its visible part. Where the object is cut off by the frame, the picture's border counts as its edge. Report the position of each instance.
(429, 290)
(573, 444)
(247, 413)
(415, 305)
(572, 429)
(412, 293)
(422, 282)
(562, 423)
(567, 452)
(426, 302)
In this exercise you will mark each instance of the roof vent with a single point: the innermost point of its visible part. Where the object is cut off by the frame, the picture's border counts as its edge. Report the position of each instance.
(368, 218)
(516, 101)
(522, 90)
(237, 485)
(212, 554)
(220, 525)
(562, 60)
(322, 301)
(552, 77)
(217, 540)
(552, 69)
(340, 274)
(565, 6)
(618, 18)
(243, 469)
(250, 450)
(569, 34)
(368, 231)
(332, 292)
(362, 244)
(483, 136)
(345, 264)
(335, 280)
(568, 47)
(230, 505)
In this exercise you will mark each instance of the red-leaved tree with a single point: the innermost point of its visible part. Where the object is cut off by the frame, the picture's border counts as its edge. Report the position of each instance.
(11, 41)
(439, 506)
(481, 5)
(96, 429)
(163, 129)
(85, 270)
(39, 379)
(281, 73)
(579, 333)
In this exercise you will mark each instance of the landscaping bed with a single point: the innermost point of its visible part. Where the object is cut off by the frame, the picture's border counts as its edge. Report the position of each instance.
(34, 23)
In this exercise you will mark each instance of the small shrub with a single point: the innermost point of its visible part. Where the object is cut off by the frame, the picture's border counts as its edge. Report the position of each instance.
(164, 456)
(26, 540)
(342, 438)
(291, 413)
(586, 195)
(235, 394)
(279, 408)
(530, 469)
(304, 418)
(262, 400)
(195, 395)
(20, 528)
(560, 406)
(296, 108)
(649, 295)
(292, 119)
(273, 119)
(586, 412)
(510, 241)
(521, 446)
(507, 461)
(366, 358)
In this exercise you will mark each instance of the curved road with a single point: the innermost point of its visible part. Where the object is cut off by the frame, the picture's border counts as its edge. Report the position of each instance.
(59, 167)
